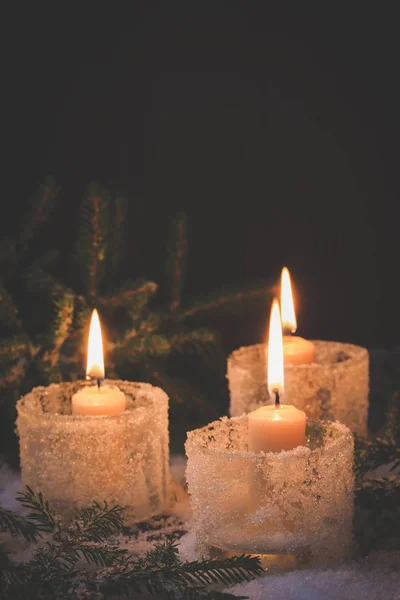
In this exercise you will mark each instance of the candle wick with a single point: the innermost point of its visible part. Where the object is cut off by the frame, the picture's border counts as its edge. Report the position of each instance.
(287, 330)
(277, 399)
(98, 384)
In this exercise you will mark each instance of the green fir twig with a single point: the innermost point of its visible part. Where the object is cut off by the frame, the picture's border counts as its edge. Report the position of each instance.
(93, 238)
(38, 212)
(176, 260)
(119, 208)
(18, 525)
(218, 301)
(55, 569)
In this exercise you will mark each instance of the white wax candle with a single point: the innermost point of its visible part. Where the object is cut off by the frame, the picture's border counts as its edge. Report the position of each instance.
(296, 350)
(273, 429)
(106, 400)
(276, 428)
(96, 399)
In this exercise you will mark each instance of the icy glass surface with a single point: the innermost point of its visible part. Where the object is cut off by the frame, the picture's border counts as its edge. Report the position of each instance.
(73, 460)
(335, 387)
(297, 502)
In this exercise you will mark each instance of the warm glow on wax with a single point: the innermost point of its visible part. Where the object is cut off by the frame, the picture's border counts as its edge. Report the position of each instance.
(95, 358)
(274, 428)
(275, 352)
(97, 400)
(289, 322)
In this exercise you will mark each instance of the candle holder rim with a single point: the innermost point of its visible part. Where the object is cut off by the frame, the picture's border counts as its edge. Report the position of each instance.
(237, 356)
(282, 455)
(140, 385)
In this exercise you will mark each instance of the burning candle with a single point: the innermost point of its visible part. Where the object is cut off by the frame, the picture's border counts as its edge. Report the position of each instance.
(296, 350)
(97, 399)
(278, 427)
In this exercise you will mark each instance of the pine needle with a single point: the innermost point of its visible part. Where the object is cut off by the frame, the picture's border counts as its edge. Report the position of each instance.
(8, 310)
(38, 212)
(93, 238)
(16, 524)
(221, 301)
(176, 260)
(119, 209)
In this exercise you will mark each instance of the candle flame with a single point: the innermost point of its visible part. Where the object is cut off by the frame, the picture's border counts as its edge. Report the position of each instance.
(288, 315)
(275, 352)
(95, 358)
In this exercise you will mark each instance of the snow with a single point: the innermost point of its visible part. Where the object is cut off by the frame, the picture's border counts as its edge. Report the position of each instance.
(375, 577)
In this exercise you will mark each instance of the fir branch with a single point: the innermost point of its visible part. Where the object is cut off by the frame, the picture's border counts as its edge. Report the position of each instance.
(139, 348)
(13, 348)
(178, 390)
(55, 571)
(93, 235)
(392, 424)
(140, 344)
(149, 325)
(16, 524)
(375, 493)
(14, 376)
(369, 454)
(46, 260)
(8, 310)
(156, 577)
(218, 301)
(8, 258)
(235, 569)
(160, 556)
(119, 209)
(38, 212)
(60, 329)
(197, 340)
(97, 523)
(134, 295)
(205, 594)
(105, 555)
(377, 514)
(176, 260)
(40, 512)
(38, 280)
(62, 321)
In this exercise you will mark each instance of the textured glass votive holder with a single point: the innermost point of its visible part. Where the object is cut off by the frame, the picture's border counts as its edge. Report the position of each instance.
(334, 387)
(294, 506)
(73, 460)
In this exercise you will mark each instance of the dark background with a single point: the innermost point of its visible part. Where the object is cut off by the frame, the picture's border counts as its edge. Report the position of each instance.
(275, 128)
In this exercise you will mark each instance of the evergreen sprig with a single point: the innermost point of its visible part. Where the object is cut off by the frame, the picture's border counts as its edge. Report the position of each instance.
(373, 453)
(160, 571)
(18, 525)
(176, 260)
(151, 327)
(37, 214)
(41, 515)
(98, 522)
(377, 499)
(56, 568)
(392, 425)
(93, 238)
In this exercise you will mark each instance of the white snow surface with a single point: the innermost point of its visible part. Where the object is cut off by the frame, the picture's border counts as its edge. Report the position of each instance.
(374, 577)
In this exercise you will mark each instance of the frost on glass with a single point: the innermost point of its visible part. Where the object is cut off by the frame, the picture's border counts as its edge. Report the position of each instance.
(73, 460)
(294, 502)
(335, 387)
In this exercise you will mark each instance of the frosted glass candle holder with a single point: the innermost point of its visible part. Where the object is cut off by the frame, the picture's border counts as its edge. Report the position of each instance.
(73, 460)
(335, 387)
(292, 503)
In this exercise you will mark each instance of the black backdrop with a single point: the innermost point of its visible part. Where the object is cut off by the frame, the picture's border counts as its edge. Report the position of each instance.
(275, 128)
